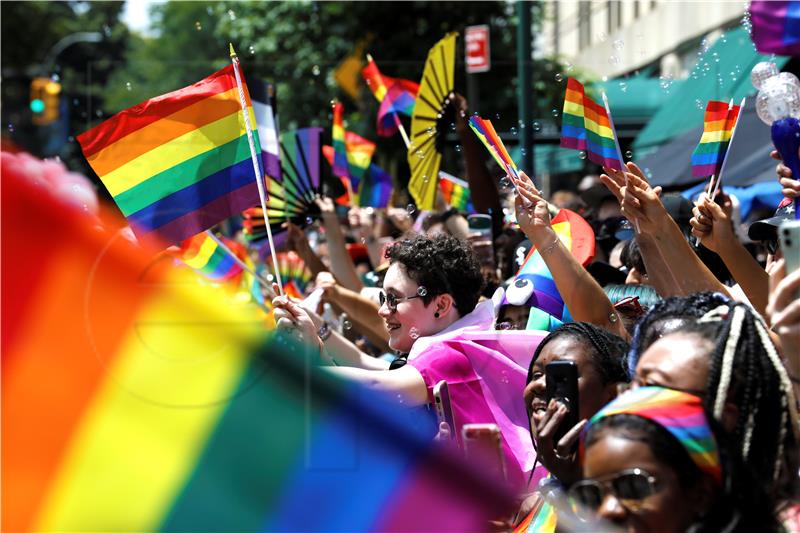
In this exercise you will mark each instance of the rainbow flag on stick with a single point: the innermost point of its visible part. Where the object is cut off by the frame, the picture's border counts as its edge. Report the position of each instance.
(134, 399)
(209, 259)
(485, 131)
(395, 95)
(340, 167)
(586, 125)
(179, 163)
(719, 124)
(373, 191)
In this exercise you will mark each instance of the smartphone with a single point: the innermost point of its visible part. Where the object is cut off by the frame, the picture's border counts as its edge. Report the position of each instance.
(483, 447)
(480, 224)
(444, 410)
(561, 378)
(789, 235)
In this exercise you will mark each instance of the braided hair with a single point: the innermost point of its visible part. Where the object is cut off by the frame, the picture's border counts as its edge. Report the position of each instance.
(667, 316)
(607, 351)
(745, 369)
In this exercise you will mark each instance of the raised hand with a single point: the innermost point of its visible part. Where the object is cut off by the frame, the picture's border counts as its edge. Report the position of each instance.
(326, 205)
(291, 318)
(533, 214)
(711, 222)
(790, 185)
(641, 203)
(558, 457)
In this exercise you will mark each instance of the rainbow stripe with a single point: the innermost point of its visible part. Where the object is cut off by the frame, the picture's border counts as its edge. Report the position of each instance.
(456, 192)
(578, 236)
(359, 156)
(587, 126)
(340, 167)
(209, 259)
(485, 131)
(719, 122)
(539, 520)
(376, 188)
(679, 413)
(395, 95)
(293, 269)
(137, 400)
(178, 163)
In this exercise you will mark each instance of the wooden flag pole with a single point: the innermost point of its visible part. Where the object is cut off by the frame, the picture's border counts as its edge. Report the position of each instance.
(397, 121)
(619, 151)
(238, 261)
(256, 167)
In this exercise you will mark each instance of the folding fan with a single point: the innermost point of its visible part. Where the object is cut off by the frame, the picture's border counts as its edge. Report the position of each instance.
(290, 196)
(430, 114)
(294, 273)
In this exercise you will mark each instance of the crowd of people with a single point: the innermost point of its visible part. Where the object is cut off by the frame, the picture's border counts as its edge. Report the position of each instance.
(684, 331)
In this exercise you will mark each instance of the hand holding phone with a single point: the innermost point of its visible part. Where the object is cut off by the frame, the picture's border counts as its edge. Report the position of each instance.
(562, 386)
(483, 447)
(444, 409)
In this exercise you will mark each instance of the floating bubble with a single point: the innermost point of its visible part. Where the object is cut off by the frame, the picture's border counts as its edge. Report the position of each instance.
(554, 112)
(698, 103)
(559, 77)
(10, 127)
(309, 220)
(420, 154)
(99, 113)
(55, 77)
(613, 60)
(252, 50)
(347, 325)
(197, 25)
(458, 148)
(422, 291)
(504, 326)
(231, 14)
(503, 377)
(604, 78)
(504, 183)
(602, 37)
(623, 86)
(536, 126)
(496, 116)
(582, 154)
(315, 70)
(568, 67)
(513, 130)
(410, 209)
(628, 155)
(618, 44)
(128, 86)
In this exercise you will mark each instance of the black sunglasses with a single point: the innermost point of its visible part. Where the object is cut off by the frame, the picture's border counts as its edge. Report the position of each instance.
(391, 300)
(629, 487)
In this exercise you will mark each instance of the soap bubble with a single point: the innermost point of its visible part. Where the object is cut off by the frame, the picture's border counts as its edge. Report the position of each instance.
(559, 77)
(252, 50)
(536, 126)
(761, 72)
(128, 86)
(613, 60)
(347, 325)
(422, 292)
(582, 154)
(623, 86)
(197, 25)
(513, 130)
(618, 44)
(315, 70)
(410, 209)
(554, 112)
(458, 148)
(628, 155)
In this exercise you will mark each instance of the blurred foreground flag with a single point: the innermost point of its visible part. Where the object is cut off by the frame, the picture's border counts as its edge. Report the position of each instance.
(134, 399)
(776, 26)
(179, 163)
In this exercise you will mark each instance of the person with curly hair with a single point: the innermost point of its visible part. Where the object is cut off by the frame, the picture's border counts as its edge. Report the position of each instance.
(429, 304)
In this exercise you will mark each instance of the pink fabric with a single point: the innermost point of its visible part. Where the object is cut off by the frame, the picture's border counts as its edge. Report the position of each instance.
(485, 371)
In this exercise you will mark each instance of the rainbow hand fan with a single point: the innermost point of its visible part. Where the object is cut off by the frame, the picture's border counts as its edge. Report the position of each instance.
(294, 273)
(486, 133)
(430, 111)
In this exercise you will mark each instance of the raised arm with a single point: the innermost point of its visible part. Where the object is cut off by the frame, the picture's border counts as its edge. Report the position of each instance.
(584, 297)
(711, 223)
(298, 242)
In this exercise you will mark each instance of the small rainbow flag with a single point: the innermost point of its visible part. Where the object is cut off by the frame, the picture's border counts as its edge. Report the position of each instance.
(209, 259)
(138, 400)
(455, 192)
(373, 191)
(719, 123)
(359, 156)
(396, 95)
(340, 167)
(586, 125)
(578, 236)
(179, 163)
(485, 131)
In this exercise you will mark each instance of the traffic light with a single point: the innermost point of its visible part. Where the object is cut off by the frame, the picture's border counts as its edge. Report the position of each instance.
(45, 99)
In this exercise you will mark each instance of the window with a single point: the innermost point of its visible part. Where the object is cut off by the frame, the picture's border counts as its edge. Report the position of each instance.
(584, 24)
(614, 15)
(635, 9)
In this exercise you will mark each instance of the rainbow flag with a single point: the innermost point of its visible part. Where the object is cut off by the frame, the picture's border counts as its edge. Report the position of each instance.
(544, 521)
(719, 123)
(179, 163)
(491, 140)
(340, 167)
(578, 236)
(209, 259)
(134, 399)
(455, 192)
(587, 126)
(776, 26)
(359, 156)
(395, 95)
(376, 188)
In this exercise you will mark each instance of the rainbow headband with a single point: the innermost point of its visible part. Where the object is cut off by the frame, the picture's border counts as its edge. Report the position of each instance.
(681, 414)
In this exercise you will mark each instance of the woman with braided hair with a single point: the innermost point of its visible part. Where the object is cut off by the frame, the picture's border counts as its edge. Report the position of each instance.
(600, 360)
(727, 358)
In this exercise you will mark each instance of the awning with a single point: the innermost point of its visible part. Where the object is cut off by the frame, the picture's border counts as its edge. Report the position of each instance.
(633, 99)
(749, 161)
(731, 57)
(552, 159)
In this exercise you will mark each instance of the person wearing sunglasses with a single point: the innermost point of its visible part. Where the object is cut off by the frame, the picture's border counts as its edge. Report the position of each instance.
(651, 462)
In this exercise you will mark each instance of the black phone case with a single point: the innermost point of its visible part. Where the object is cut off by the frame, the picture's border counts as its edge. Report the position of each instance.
(562, 384)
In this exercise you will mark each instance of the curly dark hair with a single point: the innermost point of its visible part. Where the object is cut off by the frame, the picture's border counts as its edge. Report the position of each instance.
(443, 265)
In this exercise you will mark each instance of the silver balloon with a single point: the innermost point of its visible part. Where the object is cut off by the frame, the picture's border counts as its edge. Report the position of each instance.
(778, 99)
(762, 72)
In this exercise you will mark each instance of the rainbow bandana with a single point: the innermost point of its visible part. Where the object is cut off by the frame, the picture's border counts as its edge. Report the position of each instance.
(679, 413)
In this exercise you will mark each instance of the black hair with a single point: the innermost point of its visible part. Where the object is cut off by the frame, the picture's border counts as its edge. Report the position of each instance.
(631, 256)
(668, 315)
(606, 351)
(443, 265)
(742, 506)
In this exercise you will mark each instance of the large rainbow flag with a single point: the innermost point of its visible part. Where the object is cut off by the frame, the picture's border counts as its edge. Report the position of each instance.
(395, 95)
(578, 236)
(719, 122)
(587, 126)
(134, 399)
(179, 163)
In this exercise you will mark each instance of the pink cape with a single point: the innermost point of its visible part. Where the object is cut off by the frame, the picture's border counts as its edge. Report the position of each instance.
(485, 371)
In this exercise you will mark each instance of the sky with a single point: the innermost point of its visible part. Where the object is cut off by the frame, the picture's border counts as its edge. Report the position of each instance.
(135, 15)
